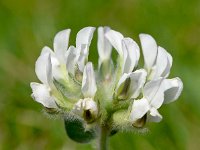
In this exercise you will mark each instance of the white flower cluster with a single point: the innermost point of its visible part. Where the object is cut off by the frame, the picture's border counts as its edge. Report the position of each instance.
(70, 84)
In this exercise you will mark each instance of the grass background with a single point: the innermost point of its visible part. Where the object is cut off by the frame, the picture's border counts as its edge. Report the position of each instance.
(27, 26)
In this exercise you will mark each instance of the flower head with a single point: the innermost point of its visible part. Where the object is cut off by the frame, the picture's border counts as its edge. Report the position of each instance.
(70, 83)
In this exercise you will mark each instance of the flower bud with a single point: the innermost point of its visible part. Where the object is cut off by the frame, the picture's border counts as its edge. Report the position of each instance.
(86, 108)
(140, 122)
(123, 87)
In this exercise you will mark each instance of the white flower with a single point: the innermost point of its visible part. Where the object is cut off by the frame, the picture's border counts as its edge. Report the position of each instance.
(87, 107)
(156, 92)
(149, 49)
(89, 87)
(157, 60)
(60, 45)
(127, 48)
(42, 92)
(83, 41)
(104, 47)
(70, 83)
(130, 85)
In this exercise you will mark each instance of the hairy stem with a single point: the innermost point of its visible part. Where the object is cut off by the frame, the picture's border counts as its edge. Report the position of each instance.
(103, 138)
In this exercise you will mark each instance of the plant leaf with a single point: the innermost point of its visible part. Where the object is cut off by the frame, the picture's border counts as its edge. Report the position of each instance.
(76, 131)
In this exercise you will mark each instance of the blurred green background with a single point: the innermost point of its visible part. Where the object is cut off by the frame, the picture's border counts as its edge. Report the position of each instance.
(28, 25)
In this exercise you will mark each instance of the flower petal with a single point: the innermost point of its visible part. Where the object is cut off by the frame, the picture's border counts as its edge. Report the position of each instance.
(123, 86)
(56, 70)
(173, 89)
(162, 64)
(71, 57)
(154, 92)
(43, 67)
(60, 44)
(131, 59)
(139, 109)
(90, 104)
(149, 49)
(137, 49)
(85, 104)
(83, 56)
(46, 50)
(86, 108)
(104, 47)
(154, 116)
(84, 36)
(78, 107)
(138, 79)
(169, 65)
(89, 83)
(115, 39)
(41, 94)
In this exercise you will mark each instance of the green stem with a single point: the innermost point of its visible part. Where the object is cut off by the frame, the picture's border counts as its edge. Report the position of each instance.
(103, 139)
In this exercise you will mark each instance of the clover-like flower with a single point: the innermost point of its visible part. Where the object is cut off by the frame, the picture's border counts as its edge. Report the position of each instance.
(115, 96)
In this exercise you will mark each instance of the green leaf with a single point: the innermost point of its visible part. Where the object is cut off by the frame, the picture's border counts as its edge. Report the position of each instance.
(76, 131)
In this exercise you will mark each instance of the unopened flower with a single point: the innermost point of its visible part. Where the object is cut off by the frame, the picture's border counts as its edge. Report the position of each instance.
(124, 90)
(87, 107)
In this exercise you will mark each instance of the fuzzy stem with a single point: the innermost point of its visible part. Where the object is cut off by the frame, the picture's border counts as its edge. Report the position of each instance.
(103, 138)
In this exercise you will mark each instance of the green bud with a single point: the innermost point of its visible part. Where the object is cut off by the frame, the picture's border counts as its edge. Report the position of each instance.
(76, 130)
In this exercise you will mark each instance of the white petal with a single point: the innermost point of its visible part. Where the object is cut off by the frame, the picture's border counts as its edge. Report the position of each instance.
(78, 107)
(49, 71)
(89, 83)
(137, 49)
(173, 89)
(90, 104)
(139, 109)
(132, 53)
(43, 68)
(169, 65)
(83, 56)
(46, 50)
(84, 36)
(170, 59)
(83, 40)
(121, 83)
(154, 92)
(85, 104)
(125, 65)
(149, 49)
(41, 94)
(161, 67)
(104, 47)
(56, 70)
(115, 39)
(154, 116)
(138, 79)
(60, 44)
(72, 57)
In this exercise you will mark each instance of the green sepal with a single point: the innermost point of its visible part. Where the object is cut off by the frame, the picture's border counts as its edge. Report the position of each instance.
(76, 131)
(67, 92)
(106, 70)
